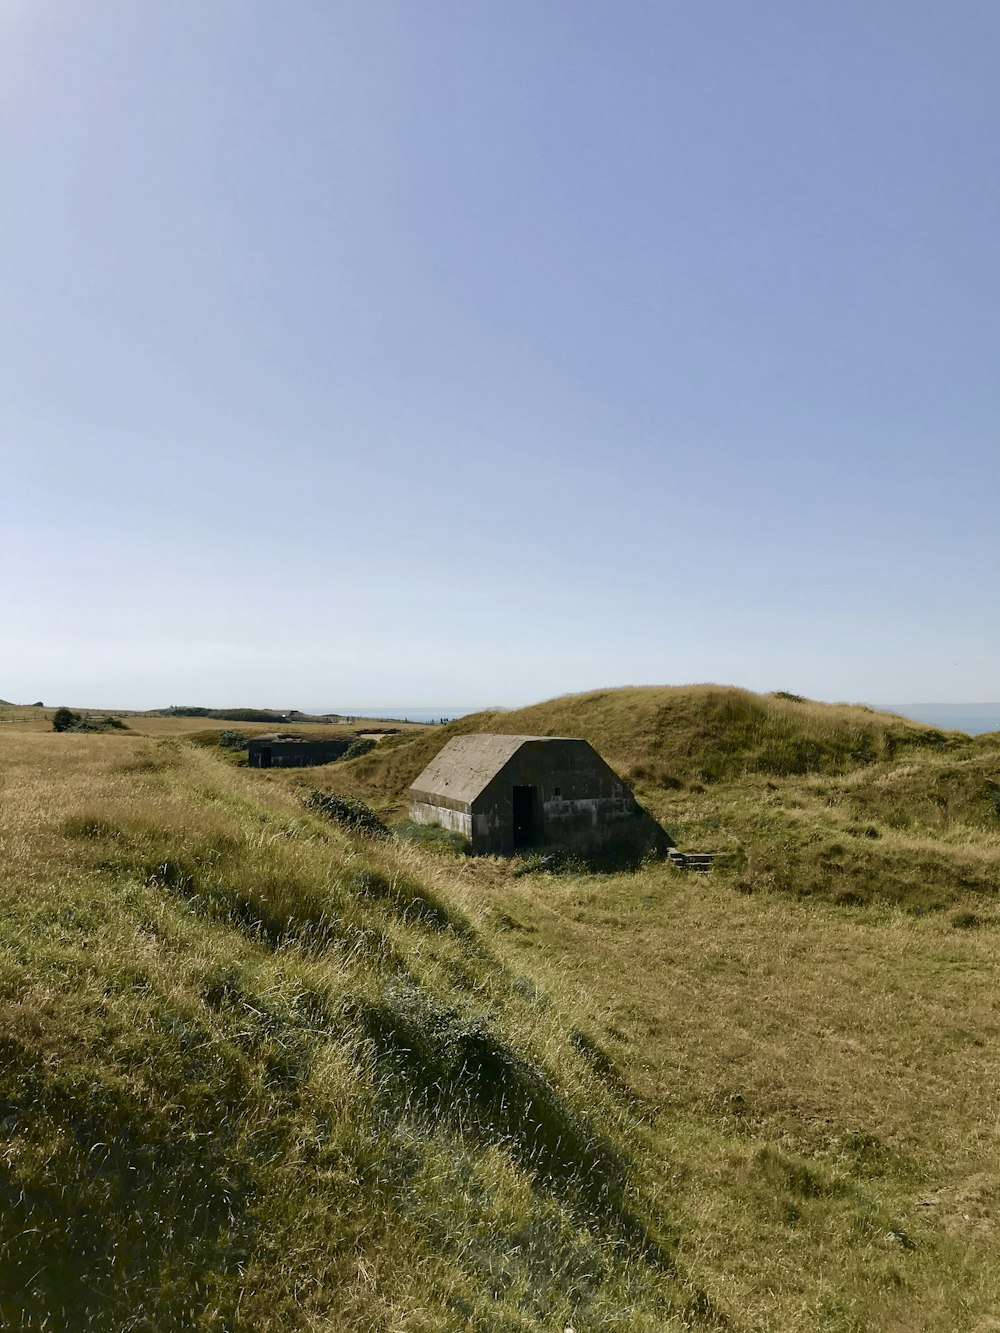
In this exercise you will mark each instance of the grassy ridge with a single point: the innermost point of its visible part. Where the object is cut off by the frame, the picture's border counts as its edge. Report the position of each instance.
(258, 1074)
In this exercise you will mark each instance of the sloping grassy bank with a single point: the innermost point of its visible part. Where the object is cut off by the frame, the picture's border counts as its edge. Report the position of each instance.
(258, 1074)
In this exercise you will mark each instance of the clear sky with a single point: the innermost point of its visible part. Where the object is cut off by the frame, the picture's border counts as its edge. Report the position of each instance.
(466, 352)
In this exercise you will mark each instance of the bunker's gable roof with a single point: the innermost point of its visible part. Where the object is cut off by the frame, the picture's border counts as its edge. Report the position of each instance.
(468, 764)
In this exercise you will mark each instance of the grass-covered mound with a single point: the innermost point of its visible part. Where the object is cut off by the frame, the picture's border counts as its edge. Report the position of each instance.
(711, 733)
(665, 736)
(804, 798)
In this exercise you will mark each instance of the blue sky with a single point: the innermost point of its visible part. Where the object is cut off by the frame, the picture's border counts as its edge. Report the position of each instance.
(469, 353)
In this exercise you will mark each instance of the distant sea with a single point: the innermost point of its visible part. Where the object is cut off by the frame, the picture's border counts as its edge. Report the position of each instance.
(971, 718)
(399, 713)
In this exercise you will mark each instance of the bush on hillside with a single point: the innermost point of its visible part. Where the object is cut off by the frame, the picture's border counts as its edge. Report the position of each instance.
(347, 811)
(64, 719)
(357, 748)
(233, 740)
(228, 714)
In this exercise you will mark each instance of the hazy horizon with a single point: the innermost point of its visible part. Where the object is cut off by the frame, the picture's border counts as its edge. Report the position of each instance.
(974, 718)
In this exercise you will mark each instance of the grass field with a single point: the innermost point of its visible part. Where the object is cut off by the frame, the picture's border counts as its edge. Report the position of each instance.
(29, 718)
(261, 1073)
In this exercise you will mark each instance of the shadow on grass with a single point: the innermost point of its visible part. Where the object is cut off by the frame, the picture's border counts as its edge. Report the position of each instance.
(455, 1069)
(131, 1199)
(409, 900)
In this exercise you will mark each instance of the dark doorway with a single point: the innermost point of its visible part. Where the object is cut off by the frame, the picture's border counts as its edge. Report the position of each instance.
(265, 756)
(525, 824)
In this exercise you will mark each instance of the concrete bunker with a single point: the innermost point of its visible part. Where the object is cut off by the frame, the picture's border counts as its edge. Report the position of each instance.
(282, 751)
(506, 794)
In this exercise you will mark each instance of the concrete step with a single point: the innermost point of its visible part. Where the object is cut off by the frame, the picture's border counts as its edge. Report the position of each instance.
(698, 861)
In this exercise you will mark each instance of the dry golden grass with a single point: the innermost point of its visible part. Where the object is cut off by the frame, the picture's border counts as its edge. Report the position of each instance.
(817, 1081)
(814, 1027)
(186, 726)
(796, 1054)
(28, 718)
(241, 1065)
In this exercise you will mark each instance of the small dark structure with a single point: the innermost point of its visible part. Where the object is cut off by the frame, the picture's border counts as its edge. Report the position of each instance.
(699, 861)
(509, 793)
(277, 751)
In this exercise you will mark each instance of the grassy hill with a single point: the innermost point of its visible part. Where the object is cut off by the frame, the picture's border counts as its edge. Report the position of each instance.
(805, 797)
(261, 1073)
(664, 736)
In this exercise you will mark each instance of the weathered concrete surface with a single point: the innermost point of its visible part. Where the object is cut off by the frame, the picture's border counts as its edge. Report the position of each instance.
(458, 821)
(460, 771)
(293, 751)
(534, 791)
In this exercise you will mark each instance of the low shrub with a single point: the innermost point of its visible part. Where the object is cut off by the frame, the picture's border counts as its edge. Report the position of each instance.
(363, 745)
(347, 811)
(64, 719)
(233, 740)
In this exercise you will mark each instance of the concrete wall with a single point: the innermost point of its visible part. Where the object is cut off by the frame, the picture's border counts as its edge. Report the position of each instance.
(294, 754)
(583, 806)
(458, 821)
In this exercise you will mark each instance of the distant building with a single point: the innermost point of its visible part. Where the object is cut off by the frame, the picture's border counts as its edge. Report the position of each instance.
(277, 751)
(508, 793)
